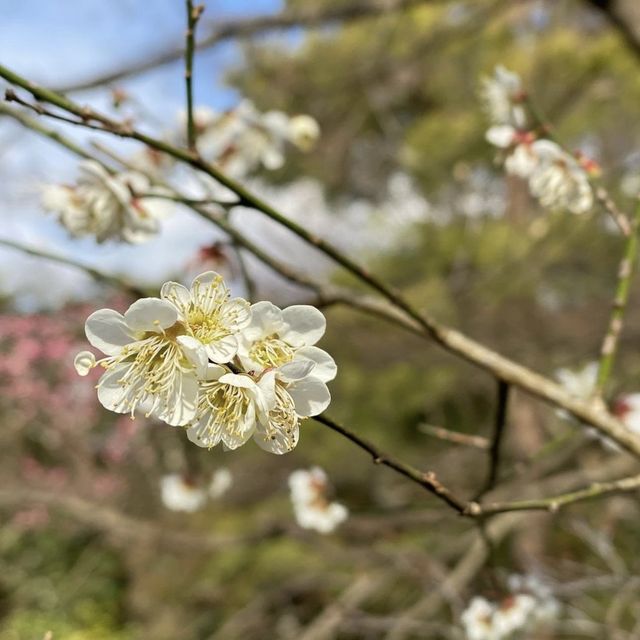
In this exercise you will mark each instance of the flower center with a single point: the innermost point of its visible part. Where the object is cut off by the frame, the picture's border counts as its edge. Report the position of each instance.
(271, 352)
(153, 370)
(221, 407)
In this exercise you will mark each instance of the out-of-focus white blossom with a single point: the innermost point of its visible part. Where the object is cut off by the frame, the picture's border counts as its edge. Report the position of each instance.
(502, 95)
(477, 620)
(311, 507)
(105, 206)
(529, 608)
(179, 493)
(579, 382)
(243, 139)
(221, 482)
(558, 181)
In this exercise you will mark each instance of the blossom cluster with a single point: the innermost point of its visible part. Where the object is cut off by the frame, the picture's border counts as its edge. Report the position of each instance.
(243, 139)
(311, 507)
(111, 205)
(581, 383)
(556, 178)
(180, 492)
(105, 205)
(225, 370)
(529, 607)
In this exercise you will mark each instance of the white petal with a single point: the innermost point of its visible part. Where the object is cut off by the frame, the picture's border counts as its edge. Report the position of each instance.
(206, 278)
(238, 380)
(266, 319)
(295, 370)
(195, 352)
(500, 135)
(310, 396)
(181, 408)
(214, 372)
(151, 314)
(222, 350)
(246, 430)
(325, 369)
(176, 294)
(305, 325)
(194, 434)
(281, 442)
(236, 313)
(107, 330)
(84, 362)
(110, 392)
(265, 396)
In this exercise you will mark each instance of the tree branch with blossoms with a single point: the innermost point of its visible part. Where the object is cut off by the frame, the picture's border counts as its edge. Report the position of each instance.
(452, 340)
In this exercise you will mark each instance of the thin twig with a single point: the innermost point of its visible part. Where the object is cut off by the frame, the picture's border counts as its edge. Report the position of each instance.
(626, 271)
(193, 15)
(477, 442)
(553, 503)
(428, 480)
(496, 440)
(99, 276)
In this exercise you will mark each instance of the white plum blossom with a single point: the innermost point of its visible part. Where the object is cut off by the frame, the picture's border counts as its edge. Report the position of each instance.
(580, 383)
(627, 409)
(312, 509)
(277, 336)
(210, 314)
(477, 620)
(558, 181)
(229, 407)
(529, 608)
(502, 96)
(243, 139)
(180, 493)
(226, 371)
(150, 364)
(104, 205)
(303, 132)
(221, 482)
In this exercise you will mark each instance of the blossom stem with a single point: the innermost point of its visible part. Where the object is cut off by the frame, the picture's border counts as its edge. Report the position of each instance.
(193, 15)
(626, 271)
(452, 340)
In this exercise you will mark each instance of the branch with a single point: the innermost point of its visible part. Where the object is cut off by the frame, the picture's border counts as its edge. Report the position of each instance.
(496, 441)
(629, 36)
(474, 352)
(253, 26)
(427, 480)
(626, 271)
(478, 442)
(554, 503)
(97, 275)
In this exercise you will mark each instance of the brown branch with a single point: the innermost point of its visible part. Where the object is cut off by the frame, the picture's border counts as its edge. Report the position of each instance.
(465, 439)
(426, 479)
(355, 10)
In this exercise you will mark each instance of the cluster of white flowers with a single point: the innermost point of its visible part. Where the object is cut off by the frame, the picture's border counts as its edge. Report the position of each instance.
(557, 179)
(311, 507)
(183, 493)
(528, 608)
(581, 383)
(224, 369)
(105, 205)
(243, 139)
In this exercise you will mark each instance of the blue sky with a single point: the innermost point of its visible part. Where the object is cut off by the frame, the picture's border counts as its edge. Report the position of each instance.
(61, 41)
